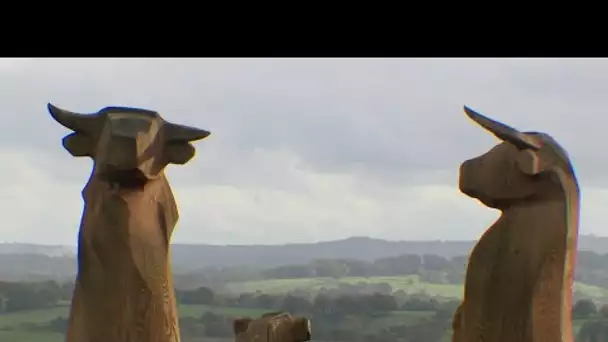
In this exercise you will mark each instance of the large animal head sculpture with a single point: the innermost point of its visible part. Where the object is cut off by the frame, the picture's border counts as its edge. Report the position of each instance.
(272, 327)
(129, 146)
(525, 166)
(241, 324)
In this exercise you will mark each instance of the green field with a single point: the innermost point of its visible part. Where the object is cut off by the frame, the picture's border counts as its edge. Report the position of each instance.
(15, 321)
(45, 315)
(17, 333)
(26, 336)
(12, 326)
(409, 284)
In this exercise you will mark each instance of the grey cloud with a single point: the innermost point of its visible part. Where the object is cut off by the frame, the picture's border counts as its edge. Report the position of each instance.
(386, 123)
(374, 116)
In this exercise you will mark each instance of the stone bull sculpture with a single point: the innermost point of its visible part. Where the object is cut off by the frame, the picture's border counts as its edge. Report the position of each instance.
(124, 290)
(272, 327)
(519, 277)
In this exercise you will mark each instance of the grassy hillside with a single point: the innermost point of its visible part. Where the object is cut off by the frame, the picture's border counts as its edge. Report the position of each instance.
(409, 284)
(45, 315)
(28, 336)
(16, 321)
(12, 326)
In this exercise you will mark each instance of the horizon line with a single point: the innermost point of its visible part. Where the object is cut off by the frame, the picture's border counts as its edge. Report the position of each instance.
(280, 244)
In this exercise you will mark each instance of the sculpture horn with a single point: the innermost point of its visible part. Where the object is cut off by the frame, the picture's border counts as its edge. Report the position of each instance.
(82, 123)
(177, 132)
(502, 131)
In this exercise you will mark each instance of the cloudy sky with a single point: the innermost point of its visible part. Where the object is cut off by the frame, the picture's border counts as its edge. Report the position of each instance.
(302, 149)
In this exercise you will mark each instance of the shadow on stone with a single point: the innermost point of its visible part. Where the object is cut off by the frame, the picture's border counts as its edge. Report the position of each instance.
(272, 327)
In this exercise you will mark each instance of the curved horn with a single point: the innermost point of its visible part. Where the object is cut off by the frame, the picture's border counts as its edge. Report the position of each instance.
(502, 131)
(177, 132)
(82, 123)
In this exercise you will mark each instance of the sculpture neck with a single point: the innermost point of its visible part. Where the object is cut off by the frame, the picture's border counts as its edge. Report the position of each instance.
(98, 187)
(111, 205)
(557, 217)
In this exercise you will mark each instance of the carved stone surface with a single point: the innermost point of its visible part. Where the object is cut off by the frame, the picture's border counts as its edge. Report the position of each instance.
(519, 278)
(124, 290)
(272, 327)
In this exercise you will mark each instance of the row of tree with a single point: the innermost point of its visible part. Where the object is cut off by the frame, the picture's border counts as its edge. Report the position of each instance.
(348, 318)
(391, 266)
(332, 313)
(430, 268)
(592, 269)
(16, 296)
(431, 328)
(28, 296)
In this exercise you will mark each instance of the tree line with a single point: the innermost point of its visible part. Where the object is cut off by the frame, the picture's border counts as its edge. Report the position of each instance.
(16, 296)
(430, 268)
(332, 313)
(337, 316)
(592, 269)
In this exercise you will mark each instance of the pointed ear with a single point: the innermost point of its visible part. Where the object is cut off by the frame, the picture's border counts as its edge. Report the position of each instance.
(79, 145)
(240, 325)
(530, 162)
(180, 153)
(301, 329)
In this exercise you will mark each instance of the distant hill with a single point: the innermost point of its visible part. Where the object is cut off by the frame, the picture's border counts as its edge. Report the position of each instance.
(363, 248)
(191, 257)
(28, 248)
